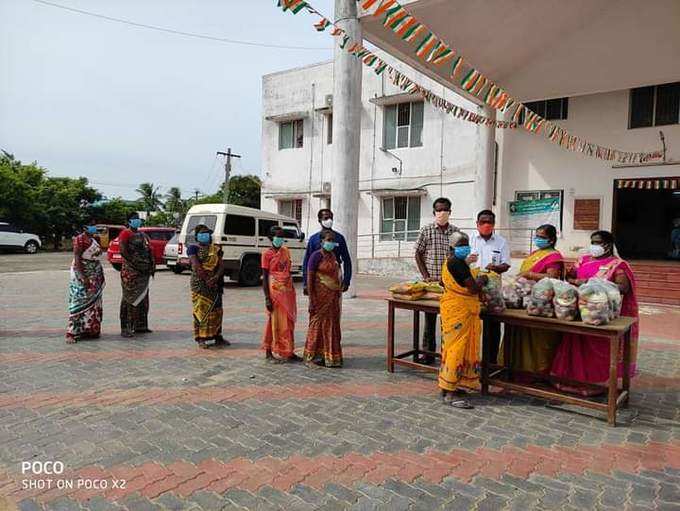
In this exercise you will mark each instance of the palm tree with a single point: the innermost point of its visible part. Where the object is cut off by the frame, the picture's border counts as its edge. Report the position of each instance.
(150, 200)
(173, 201)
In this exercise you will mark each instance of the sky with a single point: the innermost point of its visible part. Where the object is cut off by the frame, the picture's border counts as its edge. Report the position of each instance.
(122, 105)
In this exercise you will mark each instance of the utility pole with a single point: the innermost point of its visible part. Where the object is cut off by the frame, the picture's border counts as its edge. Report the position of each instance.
(196, 193)
(227, 170)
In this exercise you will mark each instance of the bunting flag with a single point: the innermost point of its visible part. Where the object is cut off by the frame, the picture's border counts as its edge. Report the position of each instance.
(434, 50)
(322, 24)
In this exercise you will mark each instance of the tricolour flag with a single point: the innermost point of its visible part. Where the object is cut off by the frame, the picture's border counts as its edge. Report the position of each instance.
(322, 24)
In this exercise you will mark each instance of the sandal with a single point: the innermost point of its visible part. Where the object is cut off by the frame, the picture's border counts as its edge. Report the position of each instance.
(71, 340)
(127, 335)
(294, 358)
(202, 345)
(221, 341)
(463, 404)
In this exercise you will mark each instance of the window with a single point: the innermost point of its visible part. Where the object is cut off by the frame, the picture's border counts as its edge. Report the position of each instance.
(329, 129)
(291, 231)
(403, 125)
(400, 218)
(160, 235)
(208, 220)
(237, 225)
(657, 105)
(549, 109)
(291, 208)
(264, 225)
(291, 134)
(7, 228)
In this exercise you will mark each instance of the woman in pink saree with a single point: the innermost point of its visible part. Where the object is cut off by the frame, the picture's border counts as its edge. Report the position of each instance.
(586, 358)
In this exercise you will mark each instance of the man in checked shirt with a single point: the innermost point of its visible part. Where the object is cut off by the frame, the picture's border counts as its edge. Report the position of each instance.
(432, 249)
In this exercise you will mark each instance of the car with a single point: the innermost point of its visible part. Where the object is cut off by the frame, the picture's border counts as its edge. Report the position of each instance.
(171, 257)
(12, 237)
(242, 233)
(159, 238)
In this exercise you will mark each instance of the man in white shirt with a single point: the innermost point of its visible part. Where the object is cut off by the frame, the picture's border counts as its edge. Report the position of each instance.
(489, 251)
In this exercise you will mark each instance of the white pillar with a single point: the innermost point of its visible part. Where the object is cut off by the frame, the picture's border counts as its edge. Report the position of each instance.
(346, 132)
(485, 155)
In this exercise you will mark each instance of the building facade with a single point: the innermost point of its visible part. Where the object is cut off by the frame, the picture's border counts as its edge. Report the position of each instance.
(410, 154)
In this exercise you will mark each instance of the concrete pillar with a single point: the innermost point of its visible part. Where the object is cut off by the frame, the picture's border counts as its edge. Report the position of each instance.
(485, 153)
(346, 132)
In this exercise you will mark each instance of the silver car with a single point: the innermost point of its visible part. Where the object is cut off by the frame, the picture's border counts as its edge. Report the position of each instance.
(170, 255)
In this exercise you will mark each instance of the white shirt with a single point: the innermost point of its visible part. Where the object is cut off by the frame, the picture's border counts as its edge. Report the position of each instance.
(494, 251)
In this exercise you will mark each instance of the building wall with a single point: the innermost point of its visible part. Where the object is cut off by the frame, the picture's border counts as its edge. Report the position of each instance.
(530, 162)
(443, 165)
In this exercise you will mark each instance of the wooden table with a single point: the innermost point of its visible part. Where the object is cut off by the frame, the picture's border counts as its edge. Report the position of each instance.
(616, 331)
(417, 306)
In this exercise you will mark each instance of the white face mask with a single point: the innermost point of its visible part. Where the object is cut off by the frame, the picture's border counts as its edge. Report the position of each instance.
(328, 223)
(596, 250)
(442, 217)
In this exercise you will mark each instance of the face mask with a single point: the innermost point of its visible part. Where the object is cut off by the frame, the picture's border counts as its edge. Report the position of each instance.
(442, 217)
(135, 223)
(91, 229)
(485, 229)
(328, 223)
(596, 250)
(329, 246)
(204, 237)
(277, 241)
(541, 242)
(461, 252)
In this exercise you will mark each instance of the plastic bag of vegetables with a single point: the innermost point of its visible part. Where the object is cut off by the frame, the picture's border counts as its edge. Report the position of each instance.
(565, 300)
(593, 301)
(491, 293)
(541, 301)
(515, 290)
(614, 295)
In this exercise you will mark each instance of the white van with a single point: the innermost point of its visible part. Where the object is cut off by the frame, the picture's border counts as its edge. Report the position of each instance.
(242, 232)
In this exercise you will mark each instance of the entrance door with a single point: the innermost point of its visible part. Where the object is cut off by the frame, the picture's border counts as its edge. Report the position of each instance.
(645, 212)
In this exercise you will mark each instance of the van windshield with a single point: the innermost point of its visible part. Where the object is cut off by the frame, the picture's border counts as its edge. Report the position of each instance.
(208, 220)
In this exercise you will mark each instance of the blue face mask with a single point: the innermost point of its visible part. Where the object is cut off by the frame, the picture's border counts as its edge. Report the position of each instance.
(277, 241)
(541, 242)
(92, 229)
(135, 223)
(204, 237)
(329, 246)
(461, 252)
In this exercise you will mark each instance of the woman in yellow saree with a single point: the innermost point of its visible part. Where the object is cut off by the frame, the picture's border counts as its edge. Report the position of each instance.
(206, 288)
(461, 326)
(532, 350)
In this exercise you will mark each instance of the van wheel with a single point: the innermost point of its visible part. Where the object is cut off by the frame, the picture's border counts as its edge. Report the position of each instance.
(31, 247)
(177, 269)
(250, 272)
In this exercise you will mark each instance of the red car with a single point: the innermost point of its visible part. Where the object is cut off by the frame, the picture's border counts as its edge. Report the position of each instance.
(159, 238)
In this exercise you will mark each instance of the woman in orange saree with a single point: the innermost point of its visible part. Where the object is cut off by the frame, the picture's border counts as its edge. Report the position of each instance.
(461, 326)
(279, 293)
(324, 285)
(532, 350)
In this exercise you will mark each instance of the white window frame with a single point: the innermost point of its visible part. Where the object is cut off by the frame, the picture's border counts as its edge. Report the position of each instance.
(291, 208)
(407, 234)
(297, 128)
(409, 126)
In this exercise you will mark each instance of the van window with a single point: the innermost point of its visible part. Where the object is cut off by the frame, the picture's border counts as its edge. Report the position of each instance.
(237, 225)
(263, 226)
(291, 231)
(208, 220)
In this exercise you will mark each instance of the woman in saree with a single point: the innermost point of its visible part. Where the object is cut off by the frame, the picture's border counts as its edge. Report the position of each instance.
(461, 326)
(207, 274)
(324, 285)
(135, 275)
(585, 358)
(279, 298)
(86, 287)
(532, 350)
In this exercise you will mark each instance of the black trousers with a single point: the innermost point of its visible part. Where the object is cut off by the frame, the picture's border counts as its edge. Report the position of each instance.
(492, 335)
(429, 341)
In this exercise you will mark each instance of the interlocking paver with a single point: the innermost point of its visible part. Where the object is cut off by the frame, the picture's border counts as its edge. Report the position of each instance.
(193, 429)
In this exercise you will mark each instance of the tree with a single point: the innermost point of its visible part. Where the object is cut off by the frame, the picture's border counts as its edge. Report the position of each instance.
(162, 219)
(113, 211)
(150, 199)
(174, 202)
(245, 191)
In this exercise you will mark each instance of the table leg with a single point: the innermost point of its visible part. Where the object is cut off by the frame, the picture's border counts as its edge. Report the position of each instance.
(506, 358)
(626, 366)
(390, 337)
(486, 355)
(416, 335)
(613, 360)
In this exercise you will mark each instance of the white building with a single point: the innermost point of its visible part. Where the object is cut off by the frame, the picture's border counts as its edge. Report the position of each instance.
(411, 154)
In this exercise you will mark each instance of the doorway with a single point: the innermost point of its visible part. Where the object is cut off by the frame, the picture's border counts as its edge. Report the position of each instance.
(646, 212)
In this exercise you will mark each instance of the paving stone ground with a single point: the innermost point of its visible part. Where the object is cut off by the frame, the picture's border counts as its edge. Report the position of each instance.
(188, 429)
